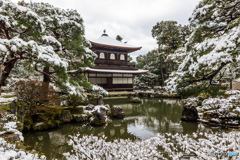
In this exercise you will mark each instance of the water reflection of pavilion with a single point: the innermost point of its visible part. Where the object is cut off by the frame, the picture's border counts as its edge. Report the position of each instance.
(150, 118)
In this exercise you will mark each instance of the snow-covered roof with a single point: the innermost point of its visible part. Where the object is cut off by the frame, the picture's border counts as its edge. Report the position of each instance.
(108, 41)
(139, 71)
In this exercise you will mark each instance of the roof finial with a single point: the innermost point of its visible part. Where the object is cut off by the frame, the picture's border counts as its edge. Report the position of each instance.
(104, 33)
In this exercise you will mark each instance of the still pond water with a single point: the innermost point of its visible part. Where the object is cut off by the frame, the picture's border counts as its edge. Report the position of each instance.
(142, 121)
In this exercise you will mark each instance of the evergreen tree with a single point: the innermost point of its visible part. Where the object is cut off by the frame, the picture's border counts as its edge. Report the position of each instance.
(170, 36)
(67, 27)
(129, 58)
(119, 38)
(47, 39)
(212, 47)
(152, 62)
(166, 58)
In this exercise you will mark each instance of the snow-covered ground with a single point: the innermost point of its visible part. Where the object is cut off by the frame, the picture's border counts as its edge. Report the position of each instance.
(11, 151)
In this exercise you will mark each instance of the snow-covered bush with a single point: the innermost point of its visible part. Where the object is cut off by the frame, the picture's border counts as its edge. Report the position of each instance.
(163, 146)
(193, 101)
(145, 81)
(35, 93)
(73, 100)
(97, 90)
(9, 150)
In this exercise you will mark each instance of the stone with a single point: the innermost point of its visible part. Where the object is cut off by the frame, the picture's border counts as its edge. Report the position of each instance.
(38, 117)
(189, 113)
(157, 95)
(20, 126)
(117, 112)
(97, 118)
(100, 100)
(99, 115)
(108, 112)
(18, 110)
(135, 100)
(90, 107)
(12, 138)
(27, 125)
(21, 112)
(13, 108)
(140, 94)
(78, 118)
(66, 116)
(40, 126)
(54, 124)
(215, 120)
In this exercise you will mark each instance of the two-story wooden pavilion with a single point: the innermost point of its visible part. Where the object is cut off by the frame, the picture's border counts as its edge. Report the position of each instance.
(111, 70)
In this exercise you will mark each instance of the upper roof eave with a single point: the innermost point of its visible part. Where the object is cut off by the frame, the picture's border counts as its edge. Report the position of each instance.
(105, 45)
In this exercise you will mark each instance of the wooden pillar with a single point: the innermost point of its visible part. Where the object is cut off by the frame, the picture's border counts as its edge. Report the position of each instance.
(109, 82)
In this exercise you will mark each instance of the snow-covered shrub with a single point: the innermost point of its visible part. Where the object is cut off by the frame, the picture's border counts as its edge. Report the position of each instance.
(35, 94)
(9, 151)
(93, 147)
(163, 146)
(145, 81)
(233, 92)
(221, 110)
(12, 151)
(193, 101)
(97, 90)
(74, 100)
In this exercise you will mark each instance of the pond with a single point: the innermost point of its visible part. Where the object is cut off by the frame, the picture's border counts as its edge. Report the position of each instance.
(142, 121)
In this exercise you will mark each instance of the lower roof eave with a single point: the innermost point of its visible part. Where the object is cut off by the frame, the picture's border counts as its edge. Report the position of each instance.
(139, 71)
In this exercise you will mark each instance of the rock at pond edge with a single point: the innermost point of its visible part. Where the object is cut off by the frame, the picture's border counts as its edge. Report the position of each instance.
(189, 113)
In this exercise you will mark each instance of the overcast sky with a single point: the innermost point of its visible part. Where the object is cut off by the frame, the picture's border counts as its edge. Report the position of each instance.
(131, 19)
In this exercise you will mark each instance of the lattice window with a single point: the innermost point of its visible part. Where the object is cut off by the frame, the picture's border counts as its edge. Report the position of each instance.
(112, 56)
(102, 55)
(122, 57)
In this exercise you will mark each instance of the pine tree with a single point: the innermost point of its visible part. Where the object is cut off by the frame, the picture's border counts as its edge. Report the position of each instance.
(212, 47)
(66, 26)
(170, 36)
(119, 38)
(46, 39)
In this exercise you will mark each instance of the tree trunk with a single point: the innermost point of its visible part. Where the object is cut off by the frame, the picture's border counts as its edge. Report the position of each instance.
(161, 70)
(46, 77)
(45, 84)
(4, 75)
(230, 83)
(166, 65)
(1, 74)
(166, 70)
